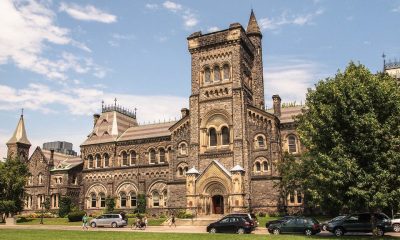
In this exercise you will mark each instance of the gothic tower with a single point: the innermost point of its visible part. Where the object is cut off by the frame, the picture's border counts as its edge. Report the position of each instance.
(18, 145)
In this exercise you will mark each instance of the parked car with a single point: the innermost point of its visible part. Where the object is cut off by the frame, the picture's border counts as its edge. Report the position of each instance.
(324, 225)
(281, 220)
(250, 216)
(231, 224)
(109, 220)
(306, 225)
(361, 222)
(396, 222)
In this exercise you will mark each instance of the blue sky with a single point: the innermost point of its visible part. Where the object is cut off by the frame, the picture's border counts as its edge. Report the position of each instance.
(60, 59)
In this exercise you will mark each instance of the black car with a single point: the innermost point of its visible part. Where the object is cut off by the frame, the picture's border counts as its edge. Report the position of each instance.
(305, 225)
(361, 222)
(249, 216)
(324, 225)
(231, 224)
(281, 220)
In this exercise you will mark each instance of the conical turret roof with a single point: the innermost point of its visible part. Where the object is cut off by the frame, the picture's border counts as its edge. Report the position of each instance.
(19, 135)
(252, 26)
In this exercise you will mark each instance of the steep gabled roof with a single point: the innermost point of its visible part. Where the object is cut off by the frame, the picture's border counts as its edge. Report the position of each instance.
(19, 135)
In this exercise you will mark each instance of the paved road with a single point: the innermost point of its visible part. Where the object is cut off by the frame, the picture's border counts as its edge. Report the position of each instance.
(178, 229)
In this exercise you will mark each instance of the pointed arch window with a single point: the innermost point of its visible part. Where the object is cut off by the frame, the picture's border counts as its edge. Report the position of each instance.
(152, 156)
(183, 148)
(258, 167)
(226, 71)
(98, 161)
(93, 200)
(292, 144)
(133, 157)
(165, 198)
(90, 160)
(260, 141)
(225, 135)
(161, 153)
(124, 159)
(106, 160)
(180, 171)
(213, 137)
(40, 178)
(102, 200)
(217, 74)
(207, 75)
(133, 199)
(123, 200)
(265, 166)
(156, 199)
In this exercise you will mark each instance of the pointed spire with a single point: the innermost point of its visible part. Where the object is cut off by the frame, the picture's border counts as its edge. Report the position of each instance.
(252, 27)
(19, 135)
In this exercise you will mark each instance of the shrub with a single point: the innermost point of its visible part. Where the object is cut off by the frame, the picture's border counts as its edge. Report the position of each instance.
(76, 216)
(262, 214)
(184, 214)
(141, 204)
(65, 206)
(110, 204)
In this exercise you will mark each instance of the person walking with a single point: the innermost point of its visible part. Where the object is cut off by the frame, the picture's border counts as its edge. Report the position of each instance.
(145, 222)
(173, 220)
(85, 222)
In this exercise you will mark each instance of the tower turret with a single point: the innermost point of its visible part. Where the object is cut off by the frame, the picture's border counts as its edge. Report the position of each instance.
(18, 145)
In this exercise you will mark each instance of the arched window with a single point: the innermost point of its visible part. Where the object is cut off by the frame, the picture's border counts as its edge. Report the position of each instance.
(169, 154)
(106, 160)
(156, 199)
(152, 156)
(161, 152)
(102, 200)
(180, 171)
(292, 144)
(90, 159)
(217, 74)
(299, 198)
(98, 161)
(260, 141)
(258, 167)
(124, 159)
(291, 197)
(30, 180)
(133, 158)
(165, 198)
(93, 200)
(123, 200)
(213, 137)
(185, 169)
(225, 135)
(40, 178)
(226, 72)
(265, 166)
(183, 148)
(133, 199)
(207, 75)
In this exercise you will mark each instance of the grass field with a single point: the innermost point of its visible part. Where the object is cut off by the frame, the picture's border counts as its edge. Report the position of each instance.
(64, 221)
(80, 235)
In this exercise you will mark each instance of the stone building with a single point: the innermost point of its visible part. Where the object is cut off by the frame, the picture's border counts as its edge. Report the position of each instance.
(392, 67)
(219, 157)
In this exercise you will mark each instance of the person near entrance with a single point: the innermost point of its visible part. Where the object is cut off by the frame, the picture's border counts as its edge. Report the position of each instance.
(173, 221)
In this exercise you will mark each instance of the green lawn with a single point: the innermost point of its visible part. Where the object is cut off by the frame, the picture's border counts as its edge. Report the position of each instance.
(64, 221)
(80, 235)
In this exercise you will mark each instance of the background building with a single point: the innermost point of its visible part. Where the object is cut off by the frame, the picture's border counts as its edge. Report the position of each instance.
(60, 147)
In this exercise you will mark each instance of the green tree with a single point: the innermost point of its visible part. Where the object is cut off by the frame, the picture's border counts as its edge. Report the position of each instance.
(110, 204)
(351, 129)
(13, 176)
(65, 206)
(141, 203)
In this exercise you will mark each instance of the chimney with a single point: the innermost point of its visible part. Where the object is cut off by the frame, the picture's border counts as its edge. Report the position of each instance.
(184, 112)
(277, 105)
(51, 161)
(95, 118)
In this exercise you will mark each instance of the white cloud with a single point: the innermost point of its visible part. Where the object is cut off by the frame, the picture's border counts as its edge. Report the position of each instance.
(87, 13)
(27, 29)
(289, 19)
(290, 78)
(172, 6)
(188, 16)
(151, 6)
(213, 29)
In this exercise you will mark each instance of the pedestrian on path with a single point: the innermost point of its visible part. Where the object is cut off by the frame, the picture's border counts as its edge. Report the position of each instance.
(85, 222)
(145, 222)
(172, 221)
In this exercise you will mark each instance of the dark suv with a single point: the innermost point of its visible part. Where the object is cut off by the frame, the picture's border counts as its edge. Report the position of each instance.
(251, 217)
(231, 224)
(361, 222)
(305, 225)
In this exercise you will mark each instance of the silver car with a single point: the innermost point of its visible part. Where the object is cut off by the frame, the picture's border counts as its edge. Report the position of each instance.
(108, 220)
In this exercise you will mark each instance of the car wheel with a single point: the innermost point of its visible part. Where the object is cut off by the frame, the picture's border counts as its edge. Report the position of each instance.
(276, 231)
(308, 232)
(114, 225)
(338, 232)
(93, 224)
(380, 232)
(324, 227)
(240, 231)
(213, 230)
(396, 227)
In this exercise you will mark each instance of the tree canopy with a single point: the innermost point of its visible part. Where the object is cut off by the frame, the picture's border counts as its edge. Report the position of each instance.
(351, 128)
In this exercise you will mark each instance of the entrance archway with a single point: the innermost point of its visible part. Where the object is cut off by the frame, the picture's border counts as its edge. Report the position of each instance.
(218, 204)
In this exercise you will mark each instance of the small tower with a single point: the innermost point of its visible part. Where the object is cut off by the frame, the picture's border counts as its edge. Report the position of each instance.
(18, 145)
(254, 34)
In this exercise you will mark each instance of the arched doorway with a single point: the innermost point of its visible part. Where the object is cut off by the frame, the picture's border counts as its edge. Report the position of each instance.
(218, 204)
